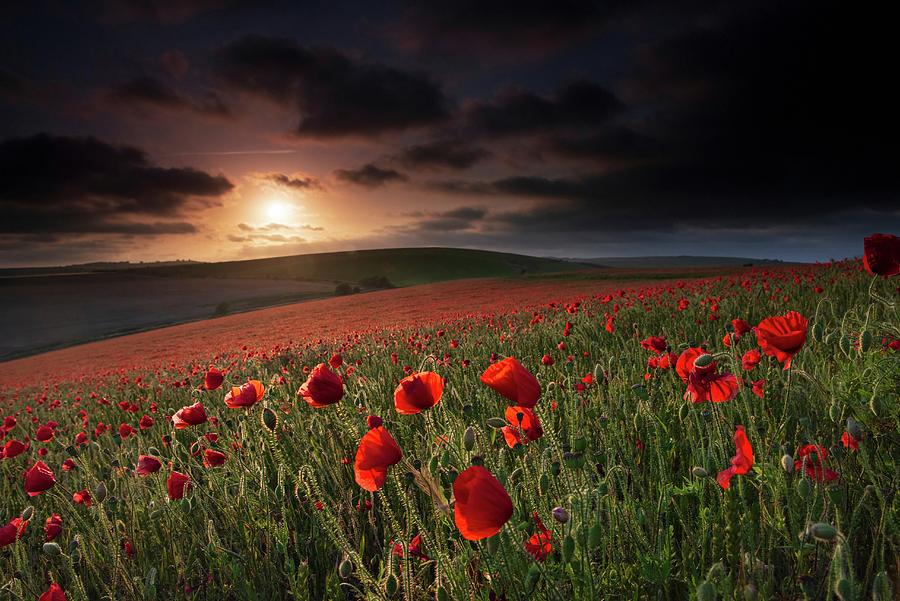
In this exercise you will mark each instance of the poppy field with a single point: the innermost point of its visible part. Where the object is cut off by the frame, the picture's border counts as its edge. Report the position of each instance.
(727, 437)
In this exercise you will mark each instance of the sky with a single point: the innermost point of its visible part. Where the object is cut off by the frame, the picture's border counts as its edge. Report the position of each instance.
(225, 129)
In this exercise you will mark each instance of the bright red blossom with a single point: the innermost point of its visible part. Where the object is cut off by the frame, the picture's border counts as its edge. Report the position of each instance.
(782, 337)
(511, 380)
(323, 387)
(418, 392)
(742, 460)
(377, 452)
(482, 504)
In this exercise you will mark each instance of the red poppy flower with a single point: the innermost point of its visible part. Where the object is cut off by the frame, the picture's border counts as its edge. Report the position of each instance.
(782, 337)
(52, 527)
(68, 465)
(373, 421)
(176, 485)
(246, 396)
(524, 426)
(377, 451)
(82, 497)
(540, 545)
(44, 433)
(656, 344)
(759, 387)
(849, 442)
(189, 416)
(146, 422)
(39, 479)
(336, 361)
(704, 384)
(812, 460)
(881, 254)
(147, 464)
(685, 364)
(213, 379)
(740, 326)
(511, 380)
(750, 359)
(415, 548)
(212, 458)
(482, 504)
(12, 531)
(323, 387)
(54, 593)
(126, 430)
(418, 392)
(742, 460)
(13, 448)
(9, 422)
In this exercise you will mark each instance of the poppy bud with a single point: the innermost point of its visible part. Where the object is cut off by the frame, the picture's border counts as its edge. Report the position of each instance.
(804, 488)
(27, 513)
(469, 439)
(442, 594)
(476, 460)
(269, 419)
(699, 472)
(822, 532)
(560, 515)
(345, 569)
(834, 412)
(854, 428)
(787, 463)
(817, 331)
(881, 587)
(496, 422)
(531, 578)
(52, 549)
(595, 535)
(391, 585)
(580, 444)
(683, 412)
(100, 493)
(865, 341)
(706, 591)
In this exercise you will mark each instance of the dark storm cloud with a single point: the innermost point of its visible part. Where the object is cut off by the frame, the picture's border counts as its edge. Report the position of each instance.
(83, 185)
(143, 92)
(609, 144)
(450, 154)
(161, 12)
(297, 183)
(575, 105)
(475, 26)
(369, 176)
(335, 95)
(455, 220)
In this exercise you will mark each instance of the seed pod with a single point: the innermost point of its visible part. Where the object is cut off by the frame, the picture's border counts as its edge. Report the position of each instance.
(27, 513)
(699, 472)
(602, 488)
(71, 451)
(787, 464)
(100, 492)
(269, 419)
(817, 332)
(804, 488)
(153, 451)
(580, 444)
(822, 532)
(843, 588)
(560, 515)
(345, 569)
(554, 468)
(469, 439)
(834, 412)
(706, 591)
(51, 549)
(703, 360)
(496, 422)
(595, 535)
(845, 345)
(442, 594)
(881, 587)
(568, 548)
(683, 412)
(544, 484)
(391, 585)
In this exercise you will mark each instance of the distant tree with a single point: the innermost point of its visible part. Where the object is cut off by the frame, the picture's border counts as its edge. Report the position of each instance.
(222, 309)
(343, 289)
(377, 282)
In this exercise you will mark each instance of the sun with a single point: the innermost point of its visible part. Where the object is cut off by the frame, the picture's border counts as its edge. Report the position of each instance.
(277, 210)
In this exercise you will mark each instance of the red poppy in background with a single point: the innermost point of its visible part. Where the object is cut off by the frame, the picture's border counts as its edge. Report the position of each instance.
(782, 337)
(126, 430)
(511, 380)
(685, 364)
(12, 531)
(812, 460)
(147, 464)
(703, 382)
(740, 326)
(742, 460)
(415, 548)
(52, 527)
(336, 361)
(482, 504)
(176, 485)
(377, 452)
(213, 458)
(44, 433)
(9, 422)
(656, 344)
(146, 422)
(540, 545)
(750, 359)
(246, 396)
(213, 379)
(82, 497)
(13, 448)
(323, 387)
(418, 392)
(524, 426)
(54, 593)
(189, 416)
(849, 442)
(881, 254)
(39, 479)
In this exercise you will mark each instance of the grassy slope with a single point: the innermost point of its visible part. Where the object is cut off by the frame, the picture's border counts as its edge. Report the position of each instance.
(403, 266)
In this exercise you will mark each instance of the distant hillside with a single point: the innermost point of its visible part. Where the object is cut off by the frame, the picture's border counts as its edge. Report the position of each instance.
(679, 261)
(400, 266)
(95, 267)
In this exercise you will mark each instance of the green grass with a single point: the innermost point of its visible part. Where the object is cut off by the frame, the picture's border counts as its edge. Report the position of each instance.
(620, 456)
(402, 266)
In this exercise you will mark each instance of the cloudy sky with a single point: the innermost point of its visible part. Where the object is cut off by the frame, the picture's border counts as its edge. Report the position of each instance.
(217, 129)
